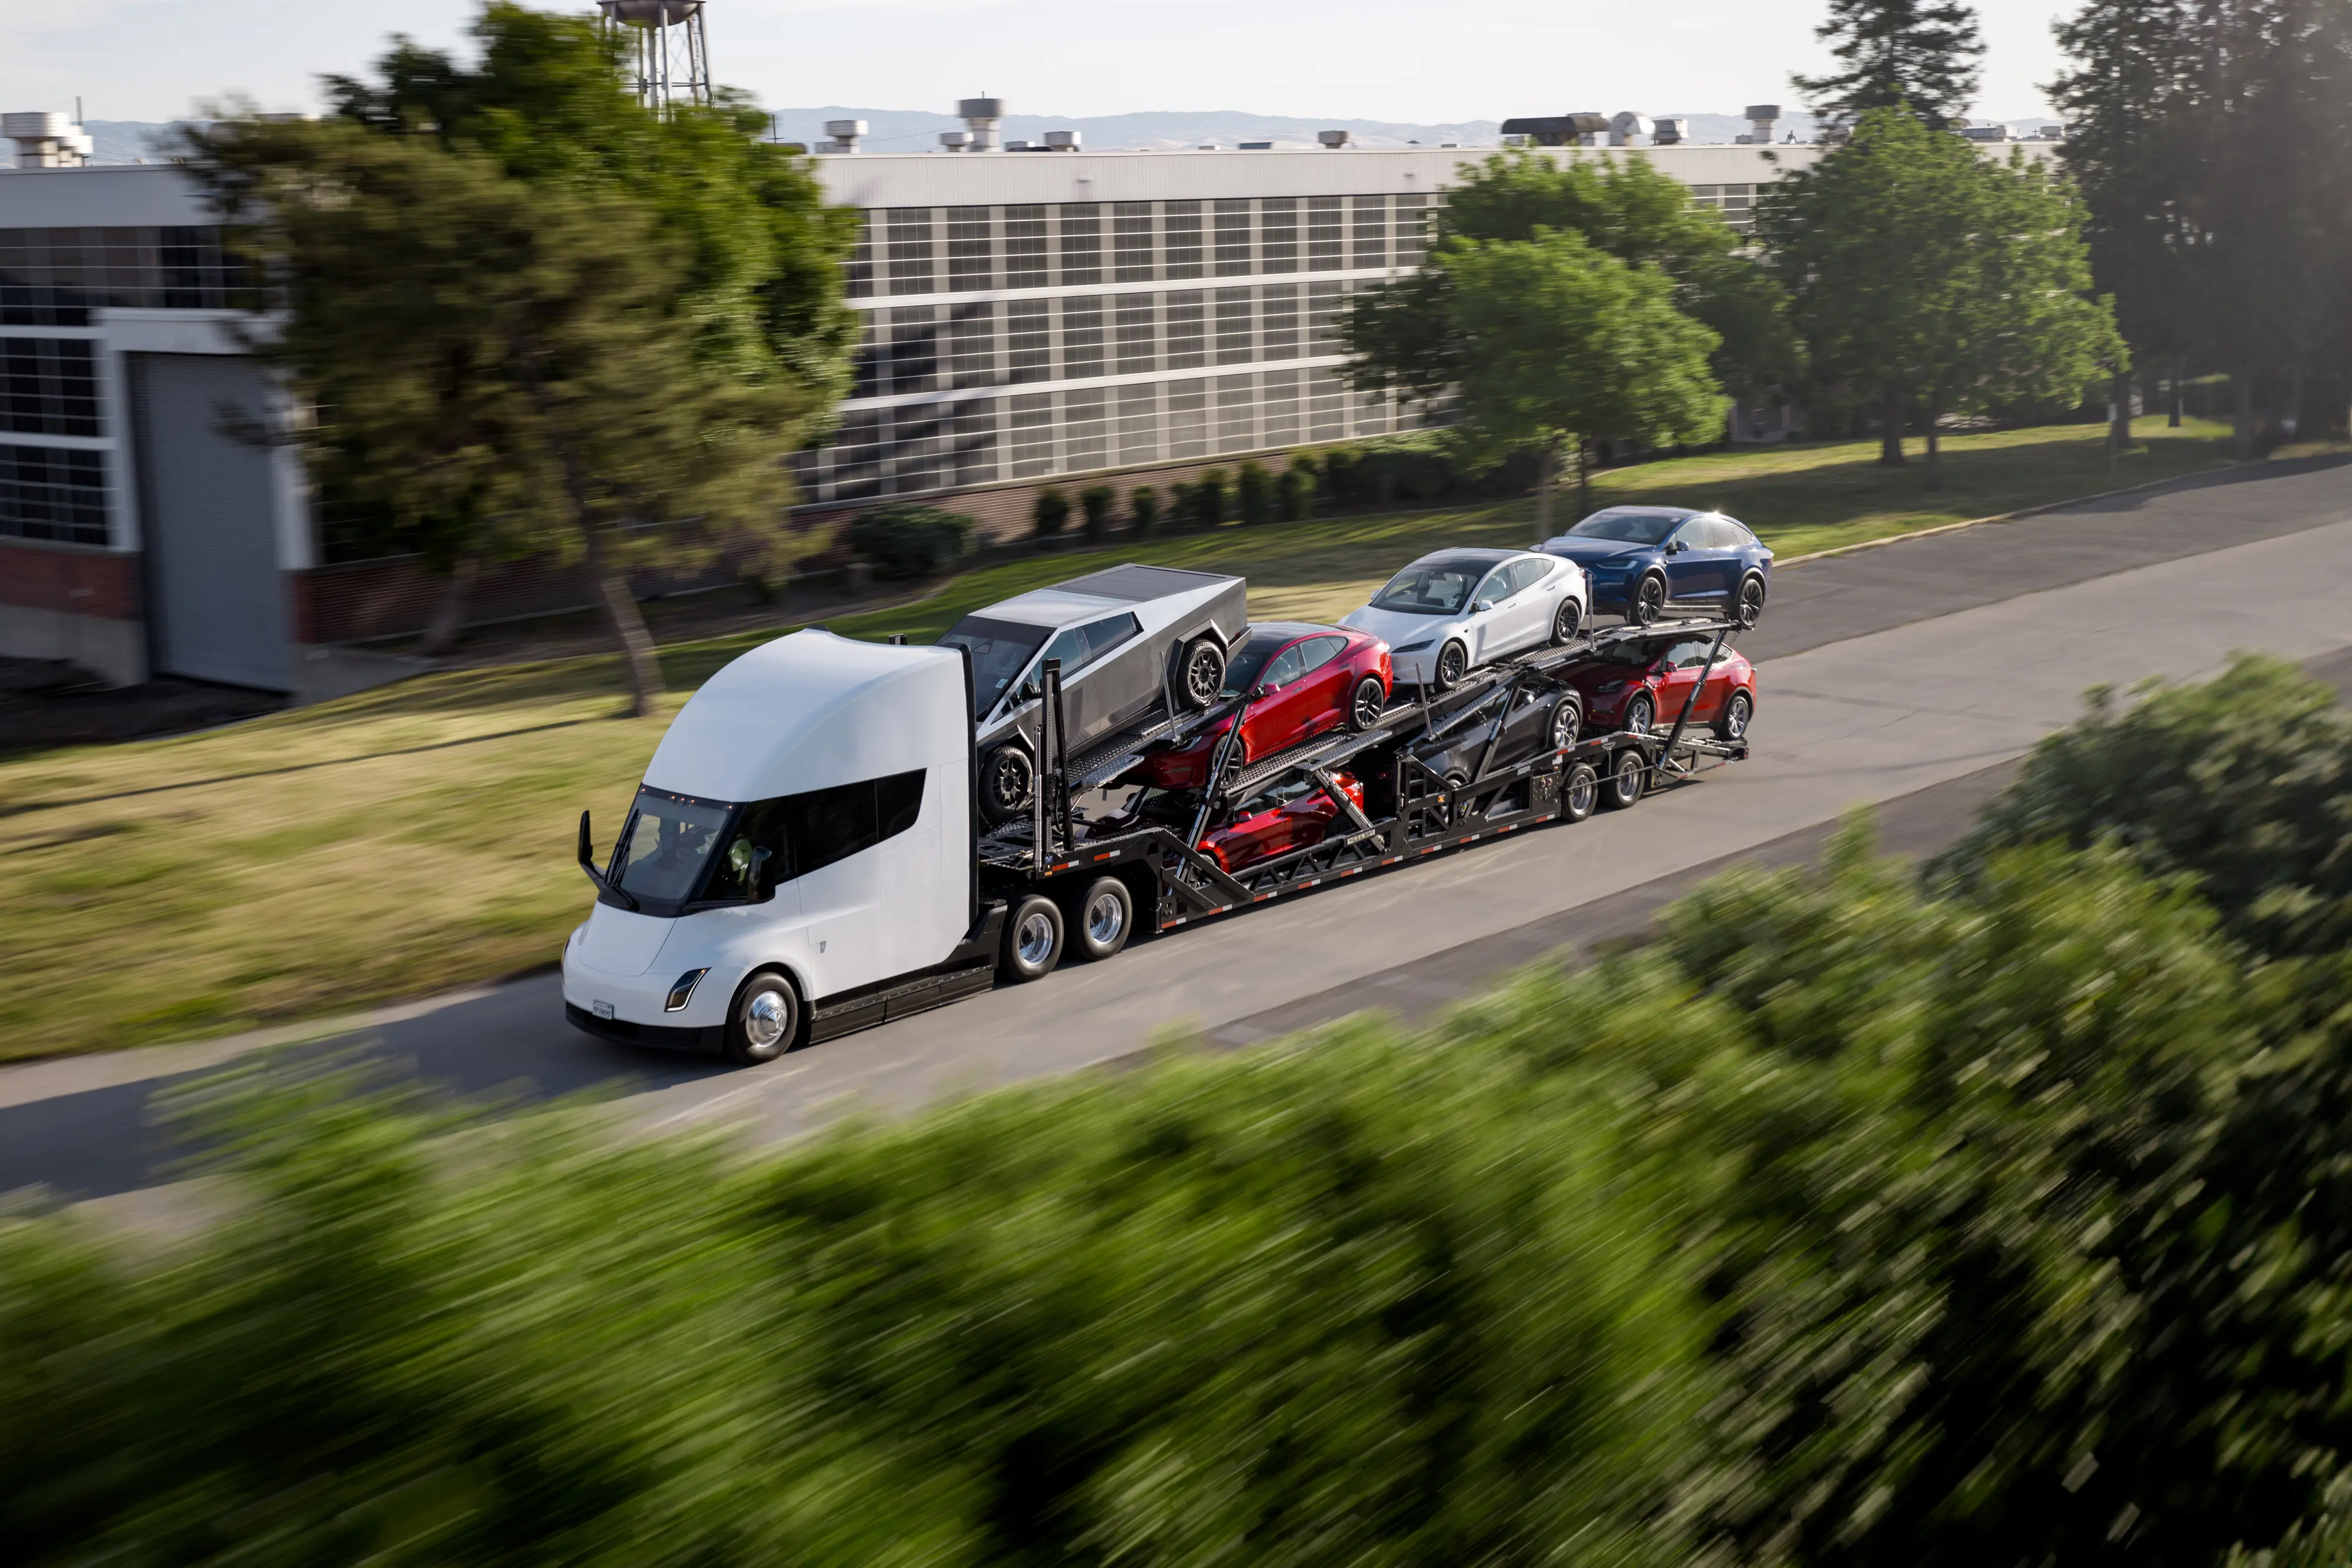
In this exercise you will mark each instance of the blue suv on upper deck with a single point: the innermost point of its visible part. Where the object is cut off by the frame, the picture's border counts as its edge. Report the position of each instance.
(1641, 558)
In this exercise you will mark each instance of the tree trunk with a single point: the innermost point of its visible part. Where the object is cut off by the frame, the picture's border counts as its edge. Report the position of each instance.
(2119, 429)
(449, 617)
(1546, 480)
(1935, 453)
(628, 626)
(2180, 373)
(1890, 431)
(2242, 392)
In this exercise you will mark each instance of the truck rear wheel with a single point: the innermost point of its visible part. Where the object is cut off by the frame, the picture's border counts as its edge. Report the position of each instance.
(1102, 919)
(1200, 673)
(765, 1021)
(1032, 940)
(1627, 778)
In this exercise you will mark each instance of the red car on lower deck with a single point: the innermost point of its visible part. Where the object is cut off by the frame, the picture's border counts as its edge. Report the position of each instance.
(1299, 681)
(1642, 683)
(1291, 813)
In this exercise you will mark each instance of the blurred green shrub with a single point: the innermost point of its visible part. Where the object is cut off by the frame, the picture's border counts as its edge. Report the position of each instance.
(910, 539)
(1101, 504)
(1294, 493)
(1253, 493)
(1051, 511)
(1143, 507)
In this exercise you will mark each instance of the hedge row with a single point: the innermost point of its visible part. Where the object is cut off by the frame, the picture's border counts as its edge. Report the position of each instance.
(2001, 1218)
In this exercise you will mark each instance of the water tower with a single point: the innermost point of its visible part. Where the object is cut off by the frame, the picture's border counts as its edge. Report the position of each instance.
(671, 53)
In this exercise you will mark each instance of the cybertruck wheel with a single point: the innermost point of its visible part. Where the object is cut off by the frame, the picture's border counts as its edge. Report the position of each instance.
(1034, 935)
(1628, 777)
(1748, 608)
(1365, 707)
(1579, 793)
(1452, 663)
(765, 1021)
(1007, 776)
(1566, 622)
(1200, 673)
(1101, 921)
(1648, 601)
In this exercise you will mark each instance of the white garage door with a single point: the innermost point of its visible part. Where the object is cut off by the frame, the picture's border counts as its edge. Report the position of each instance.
(219, 595)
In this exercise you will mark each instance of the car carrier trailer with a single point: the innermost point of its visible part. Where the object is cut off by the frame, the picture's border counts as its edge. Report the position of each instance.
(845, 878)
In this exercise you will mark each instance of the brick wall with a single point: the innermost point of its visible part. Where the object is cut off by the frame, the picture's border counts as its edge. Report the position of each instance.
(77, 582)
(387, 598)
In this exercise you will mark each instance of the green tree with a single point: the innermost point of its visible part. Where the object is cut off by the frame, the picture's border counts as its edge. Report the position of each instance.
(1561, 344)
(504, 353)
(1934, 279)
(1627, 209)
(1919, 55)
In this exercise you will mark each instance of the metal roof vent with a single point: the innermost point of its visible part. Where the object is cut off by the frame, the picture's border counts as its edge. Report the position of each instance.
(1623, 128)
(980, 116)
(1671, 131)
(1760, 117)
(845, 134)
(1558, 129)
(1064, 140)
(1335, 140)
(45, 140)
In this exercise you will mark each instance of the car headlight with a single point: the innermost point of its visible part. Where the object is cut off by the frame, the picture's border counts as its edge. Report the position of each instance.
(1611, 568)
(1416, 647)
(683, 992)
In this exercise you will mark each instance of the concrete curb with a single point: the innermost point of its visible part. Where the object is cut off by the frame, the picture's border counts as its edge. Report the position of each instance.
(1999, 517)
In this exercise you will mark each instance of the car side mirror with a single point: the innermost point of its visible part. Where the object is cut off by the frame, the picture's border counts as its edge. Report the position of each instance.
(1258, 692)
(1484, 605)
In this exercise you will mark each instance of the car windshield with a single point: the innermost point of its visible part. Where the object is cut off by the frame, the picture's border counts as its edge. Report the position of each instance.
(1248, 661)
(1627, 527)
(664, 849)
(1000, 650)
(1440, 586)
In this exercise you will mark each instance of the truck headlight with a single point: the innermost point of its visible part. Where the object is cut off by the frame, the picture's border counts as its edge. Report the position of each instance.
(683, 992)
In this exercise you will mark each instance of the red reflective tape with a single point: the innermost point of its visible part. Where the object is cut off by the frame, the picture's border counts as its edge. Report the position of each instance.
(1261, 898)
(1106, 854)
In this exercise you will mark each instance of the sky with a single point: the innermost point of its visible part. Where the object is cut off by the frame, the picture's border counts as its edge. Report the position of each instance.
(1387, 59)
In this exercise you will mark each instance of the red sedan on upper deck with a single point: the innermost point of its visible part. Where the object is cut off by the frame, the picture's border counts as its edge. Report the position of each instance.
(1298, 682)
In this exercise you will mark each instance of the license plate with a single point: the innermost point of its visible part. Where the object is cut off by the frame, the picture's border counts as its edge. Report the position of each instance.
(604, 1009)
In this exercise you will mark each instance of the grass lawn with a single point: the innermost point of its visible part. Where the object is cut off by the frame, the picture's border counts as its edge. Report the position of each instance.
(419, 837)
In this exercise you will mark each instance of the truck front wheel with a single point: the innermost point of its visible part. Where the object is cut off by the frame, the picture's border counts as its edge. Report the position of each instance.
(1032, 940)
(765, 1021)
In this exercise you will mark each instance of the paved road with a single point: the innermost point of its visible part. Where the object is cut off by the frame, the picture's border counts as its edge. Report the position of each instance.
(1910, 677)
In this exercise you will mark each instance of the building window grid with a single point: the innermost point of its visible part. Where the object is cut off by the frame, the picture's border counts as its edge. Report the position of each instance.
(971, 345)
(1025, 247)
(1187, 331)
(1279, 322)
(1412, 231)
(1326, 234)
(1236, 412)
(1028, 340)
(1279, 235)
(914, 349)
(1187, 419)
(1082, 337)
(1235, 339)
(1370, 232)
(913, 462)
(908, 248)
(1182, 223)
(1081, 225)
(972, 249)
(1134, 233)
(1139, 422)
(857, 272)
(1281, 423)
(973, 438)
(1135, 327)
(1085, 429)
(52, 493)
(1234, 234)
(56, 277)
(1033, 436)
(48, 386)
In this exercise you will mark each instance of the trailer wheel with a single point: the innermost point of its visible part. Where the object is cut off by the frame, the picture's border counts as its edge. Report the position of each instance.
(764, 1021)
(1104, 919)
(1006, 777)
(1567, 621)
(1640, 713)
(1578, 792)
(1201, 674)
(1649, 601)
(1364, 709)
(1628, 775)
(1032, 940)
(1736, 715)
(1751, 606)
(1452, 663)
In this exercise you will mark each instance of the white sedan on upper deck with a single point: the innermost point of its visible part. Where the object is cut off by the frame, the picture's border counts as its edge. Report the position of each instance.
(1451, 611)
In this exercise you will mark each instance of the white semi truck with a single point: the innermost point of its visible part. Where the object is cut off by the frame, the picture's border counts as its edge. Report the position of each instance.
(803, 859)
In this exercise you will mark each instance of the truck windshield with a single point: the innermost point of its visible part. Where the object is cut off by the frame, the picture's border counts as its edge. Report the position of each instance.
(668, 842)
(1000, 650)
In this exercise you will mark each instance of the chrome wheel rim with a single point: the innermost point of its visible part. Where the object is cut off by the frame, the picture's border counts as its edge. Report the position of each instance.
(1637, 716)
(1105, 918)
(1735, 723)
(1563, 727)
(1582, 788)
(1203, 676)
(1629, 778)
(768, 1017)
(1367, 704)
(1035, 942)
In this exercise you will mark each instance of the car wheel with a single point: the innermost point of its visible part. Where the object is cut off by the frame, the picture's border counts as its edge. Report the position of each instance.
(1640, 713)
(1733, 724)
(1452, 663)
(1007, 777)
(1649, 601)
(1579, 793)
(1566, 622)
(1364, 709)
(1033, 939)
(1102, 919)
(1201, 674)
(765, 1020)
(1627, 778)
(1567, 721)
(1750, 609)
